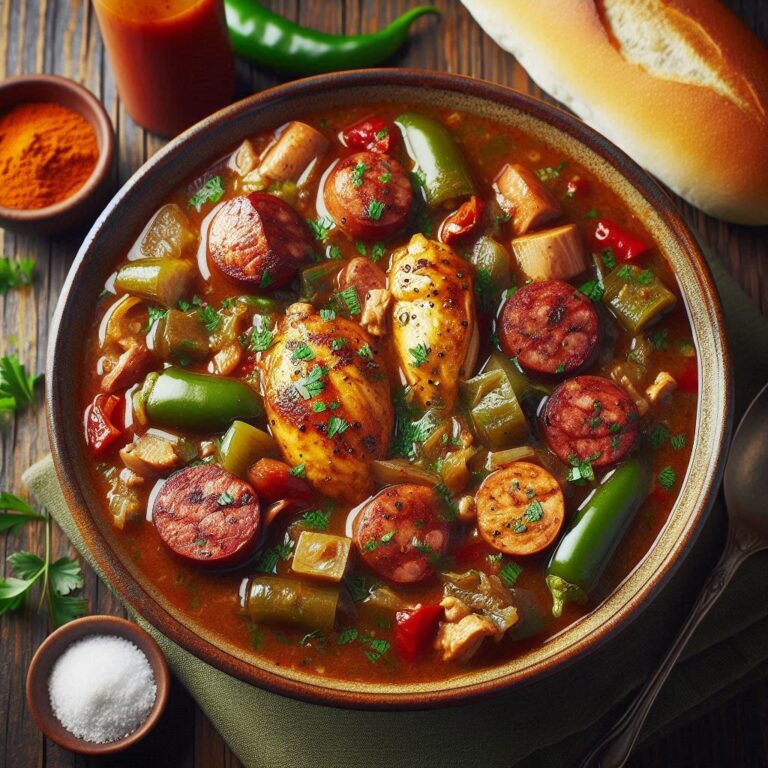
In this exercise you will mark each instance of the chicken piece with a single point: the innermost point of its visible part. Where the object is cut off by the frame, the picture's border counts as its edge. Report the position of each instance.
(521, 194)
(150, 456)
(460, 641)
(328, 409)
(639, 400)
(433, 319)
(455, 609)
(663, 385)
(244, 158)
(290, 156)
(132, 364)
(375, 312)
(554, 254)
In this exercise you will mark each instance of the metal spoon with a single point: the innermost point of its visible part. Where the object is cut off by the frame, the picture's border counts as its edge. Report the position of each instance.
(746, 487)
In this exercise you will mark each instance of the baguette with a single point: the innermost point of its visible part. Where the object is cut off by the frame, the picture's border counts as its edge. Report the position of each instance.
(680, 85)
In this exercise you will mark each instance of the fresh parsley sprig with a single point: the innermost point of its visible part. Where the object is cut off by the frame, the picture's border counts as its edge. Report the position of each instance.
(17, 387)
(15, 274)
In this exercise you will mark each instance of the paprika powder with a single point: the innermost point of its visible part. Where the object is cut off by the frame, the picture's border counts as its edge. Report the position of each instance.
(47, 152)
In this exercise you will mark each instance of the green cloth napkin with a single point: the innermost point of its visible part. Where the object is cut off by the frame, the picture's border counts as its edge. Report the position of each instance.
(548, 724)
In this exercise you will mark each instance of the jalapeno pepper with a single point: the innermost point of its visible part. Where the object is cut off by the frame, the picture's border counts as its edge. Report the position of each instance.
(583, 553)
(608, 234)
(275, 42)
(440, 166)
(181, 399)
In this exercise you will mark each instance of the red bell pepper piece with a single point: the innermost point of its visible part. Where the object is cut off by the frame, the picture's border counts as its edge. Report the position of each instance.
(463, 220)
(100, 429)
(372, 133)
(414, 630)
(688, 380)
(626, 246)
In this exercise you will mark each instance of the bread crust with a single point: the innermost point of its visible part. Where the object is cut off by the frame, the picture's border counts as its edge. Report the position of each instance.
(704, 135)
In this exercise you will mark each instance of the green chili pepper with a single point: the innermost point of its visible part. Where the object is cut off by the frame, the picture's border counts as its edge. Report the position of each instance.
(277, 43)
(441, 168)
(600, 524)
(200, 402)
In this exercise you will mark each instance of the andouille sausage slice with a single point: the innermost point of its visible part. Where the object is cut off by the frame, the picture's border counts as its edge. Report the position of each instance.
(368, 195)
(399, 533)
(259, 239)
(550, 327)
(207, 516)
(520, 509)
(590, 417)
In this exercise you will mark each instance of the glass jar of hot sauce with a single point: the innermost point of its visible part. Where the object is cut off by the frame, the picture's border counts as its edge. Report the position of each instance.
(172, 59)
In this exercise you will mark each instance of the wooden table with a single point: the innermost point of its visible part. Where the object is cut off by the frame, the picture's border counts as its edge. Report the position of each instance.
(61, 36)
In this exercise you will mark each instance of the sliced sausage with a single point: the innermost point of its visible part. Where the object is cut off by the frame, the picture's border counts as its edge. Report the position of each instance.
(400, 533)
(520, 509)
(207, 516)
(368, 195)
(259, 239)
(590, 417)
(550, 327)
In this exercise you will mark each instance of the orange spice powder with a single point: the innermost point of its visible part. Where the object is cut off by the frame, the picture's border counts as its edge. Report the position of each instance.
(47, 152)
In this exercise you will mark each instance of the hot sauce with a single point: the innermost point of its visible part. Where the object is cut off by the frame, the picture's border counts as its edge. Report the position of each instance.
(173, 61)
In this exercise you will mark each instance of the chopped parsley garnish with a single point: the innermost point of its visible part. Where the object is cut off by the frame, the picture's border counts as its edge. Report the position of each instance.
(593, 289)
(153, 315)
(338, 344)
(667, 478)
(551, 174)
(658, 436)
(376, 543)
(209, 317)
(534, 513)
(267, 562)
(351, 300)
(581, 471)
(318, 406)
(592, 214)
(299, 471)
(316, 519)
(201, 542)
(210, 192)
(225, 499)
(320, 227)
(375, 209)
(347, 636)
(361, 248)
(560, 368)
(334, 253)
(382, 134)
(337, 426)
(645, 277)
(377, 251)
(519, 526)
(359, 587)
(302, 352)
(333, 405)
(678, 441)
(484, 288)
(421, 546)
(385, 178)
(365, 352)
(16, 274)
(261, 339)
(327, 315)
(377, 648)
(312, 385)
(660, 339)
(510, 573)
(419, 355)
(450, 510)
(17, 387)
(266, 279)
(609, 259)
(357, 174)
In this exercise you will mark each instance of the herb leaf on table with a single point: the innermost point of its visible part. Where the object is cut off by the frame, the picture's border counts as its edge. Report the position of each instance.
(17, 387)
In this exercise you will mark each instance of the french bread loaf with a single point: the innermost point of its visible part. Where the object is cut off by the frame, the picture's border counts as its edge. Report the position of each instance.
(680, 85)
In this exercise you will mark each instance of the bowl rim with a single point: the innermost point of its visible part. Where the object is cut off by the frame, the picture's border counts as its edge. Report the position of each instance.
(87, 104)
(46, 656)
(139, 598)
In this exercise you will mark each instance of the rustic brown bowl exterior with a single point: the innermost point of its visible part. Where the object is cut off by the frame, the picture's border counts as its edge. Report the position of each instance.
(53, 647)
(81, 208)
(127, 214)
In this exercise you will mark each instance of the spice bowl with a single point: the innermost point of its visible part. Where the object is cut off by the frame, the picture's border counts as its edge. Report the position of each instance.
(83, 205)
(51, 650)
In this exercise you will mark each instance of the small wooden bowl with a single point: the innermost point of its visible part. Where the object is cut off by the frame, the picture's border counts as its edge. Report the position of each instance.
(53, 647)
(82, 207)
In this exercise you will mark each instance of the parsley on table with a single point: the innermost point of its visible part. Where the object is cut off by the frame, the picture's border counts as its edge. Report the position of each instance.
(419, 355)
(17, 512)
(316, 519)
(581, 471)
(17, 387)
(667, 478)
(358, 172)
(299, 471)
(375, 209)
(210, 192)
(351, 300)
(337, 426)
(312, 385)
(15, 274)
(302, 352)
(510, 573)
(320, 227)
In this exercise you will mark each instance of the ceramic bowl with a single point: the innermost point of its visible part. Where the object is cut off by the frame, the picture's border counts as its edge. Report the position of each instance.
(182, 158)
(51, 650)
(81, 208)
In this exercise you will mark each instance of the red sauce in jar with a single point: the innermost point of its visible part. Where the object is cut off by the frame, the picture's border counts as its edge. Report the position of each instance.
(173, 60)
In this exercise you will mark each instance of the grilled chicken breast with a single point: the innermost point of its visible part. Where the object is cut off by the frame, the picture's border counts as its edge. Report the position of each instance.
(327, 399)
(433, 320)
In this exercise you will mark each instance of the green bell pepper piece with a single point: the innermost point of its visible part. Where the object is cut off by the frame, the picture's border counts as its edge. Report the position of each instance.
(636, 296)
(584, 551)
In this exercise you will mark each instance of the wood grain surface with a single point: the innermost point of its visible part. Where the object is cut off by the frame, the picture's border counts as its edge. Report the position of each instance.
(61, 36)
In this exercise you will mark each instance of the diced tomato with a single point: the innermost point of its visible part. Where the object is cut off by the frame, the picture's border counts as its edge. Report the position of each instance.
(625, 245)
(272, 480)
(372, 134)
(100, 429)
(462, 221)
(576, 186)
(688, 380)
(414, 630)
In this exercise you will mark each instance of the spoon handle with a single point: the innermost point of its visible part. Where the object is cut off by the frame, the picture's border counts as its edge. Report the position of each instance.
(614, 748)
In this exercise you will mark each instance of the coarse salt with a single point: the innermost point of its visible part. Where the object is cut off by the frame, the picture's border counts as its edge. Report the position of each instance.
(102, 688)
